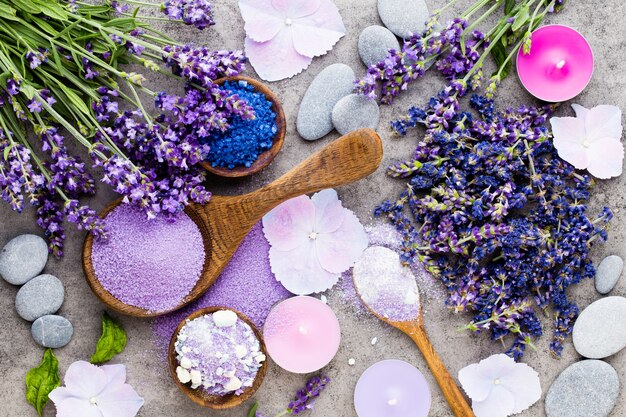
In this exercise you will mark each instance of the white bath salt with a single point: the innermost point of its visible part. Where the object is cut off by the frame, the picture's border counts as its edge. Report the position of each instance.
(385, 285)
(323, 299)
(374, 341)
(225, 318)
(351, 361)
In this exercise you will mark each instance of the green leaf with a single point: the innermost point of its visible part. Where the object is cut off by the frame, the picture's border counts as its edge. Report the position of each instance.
(7, 151)
(40, 381)
(52, 9)
(509, 5)
(522, 17)
(75, 99)
(112, 341)
(7, 12)
(45, 26)
(499, 55)
(252, 412)
(28, 90)
(26, 6)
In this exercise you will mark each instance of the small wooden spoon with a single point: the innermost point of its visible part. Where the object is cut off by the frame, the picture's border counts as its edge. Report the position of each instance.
(416, 331)
(216, 402)
(226, 220)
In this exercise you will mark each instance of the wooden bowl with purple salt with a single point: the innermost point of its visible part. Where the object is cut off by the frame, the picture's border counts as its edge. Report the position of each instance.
(265, 158)
(182, 373)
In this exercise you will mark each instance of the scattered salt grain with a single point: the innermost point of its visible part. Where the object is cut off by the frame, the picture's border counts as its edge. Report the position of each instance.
(351, 361)
(324, 299)
(374, 341)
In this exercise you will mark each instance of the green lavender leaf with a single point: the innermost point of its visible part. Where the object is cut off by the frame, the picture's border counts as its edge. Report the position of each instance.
(7, 12)
(75, 99)
(509, 5)
(522, 17)
(52, 9)
(112, 341)
(40, 381)
(499, 55)
(26, 6)
(252, 411)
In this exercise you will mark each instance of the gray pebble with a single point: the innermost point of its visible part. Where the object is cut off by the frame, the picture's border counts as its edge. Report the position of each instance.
(600, 330)
(608, 273)
(52, 331)
(404, 16)
(586, 389)
(314, 117)
(374, 44)
(40, 296)
(355, 112)
(23, 258)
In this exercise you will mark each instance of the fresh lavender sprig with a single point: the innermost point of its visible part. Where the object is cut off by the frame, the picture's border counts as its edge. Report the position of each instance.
(304, 398)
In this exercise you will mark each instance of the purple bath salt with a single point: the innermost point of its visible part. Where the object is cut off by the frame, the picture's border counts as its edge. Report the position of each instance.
(218, 353)
(247, 284)
(151, 264)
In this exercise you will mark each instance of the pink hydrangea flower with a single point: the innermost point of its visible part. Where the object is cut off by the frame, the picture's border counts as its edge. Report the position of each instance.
(313, 240)
(283, 36)
(92, 391)
(592, 140)
(500, 387)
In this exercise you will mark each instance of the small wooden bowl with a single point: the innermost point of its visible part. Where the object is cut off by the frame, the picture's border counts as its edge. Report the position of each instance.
(198, 396)
(266, 157)
(112, 302)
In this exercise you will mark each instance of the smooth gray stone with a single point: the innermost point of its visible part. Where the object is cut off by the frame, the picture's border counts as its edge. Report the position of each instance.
(23, 258)
(52, 331)
(315, 115)
(608, 273)
(355, 112)
(586, 389)
(39, 297)
(600, 330)
(374, 44)
(403, 16)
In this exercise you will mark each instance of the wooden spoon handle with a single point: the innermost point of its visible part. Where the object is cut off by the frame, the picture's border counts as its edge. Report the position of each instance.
(349, 158)
(450, 390)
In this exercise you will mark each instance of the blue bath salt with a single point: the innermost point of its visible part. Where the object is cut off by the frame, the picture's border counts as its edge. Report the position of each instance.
(245, 140)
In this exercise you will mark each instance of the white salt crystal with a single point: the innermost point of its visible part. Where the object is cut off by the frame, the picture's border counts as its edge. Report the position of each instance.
(185, 362)
(260, 358)
(224, 318)
(233, 384)
(324, 299)
(183, 375)
(374, 341)
(351, 361)
(196, 379)
(241, 351)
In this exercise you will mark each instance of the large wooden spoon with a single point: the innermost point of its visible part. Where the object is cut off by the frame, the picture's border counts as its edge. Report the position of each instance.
(225, 221)
(416, 331)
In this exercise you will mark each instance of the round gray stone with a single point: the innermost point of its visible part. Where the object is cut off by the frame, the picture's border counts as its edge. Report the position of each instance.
(23, 258)
(586, 389)
(403, 16)
(608, 273)
(39, 297)
(374, 44)
(355, 112)
(315, 115)
(600, 330)
(52, 331)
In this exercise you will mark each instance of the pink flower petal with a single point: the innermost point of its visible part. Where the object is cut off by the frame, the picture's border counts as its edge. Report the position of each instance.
(299, 270)
(523, 382)
(499, 403)
(119, 400)
(116, 374)
(339, 250)
(606, 158)
(263, 21)
(75, 407)
(290, 224)
(329, 213)
(296, 8)
(276, 59)
(603, 122)
(85, 380)
(316, 34)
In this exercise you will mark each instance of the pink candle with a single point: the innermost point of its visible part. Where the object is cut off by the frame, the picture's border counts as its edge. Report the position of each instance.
(392, 388)
(302, 334)
(559, 65)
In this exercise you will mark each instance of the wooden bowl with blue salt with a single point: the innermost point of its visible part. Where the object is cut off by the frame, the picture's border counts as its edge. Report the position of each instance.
(201, 397)
(265, 158)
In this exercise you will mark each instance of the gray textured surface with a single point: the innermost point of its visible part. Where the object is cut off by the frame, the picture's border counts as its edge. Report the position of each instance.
(403, 17)
(40, 296)
(600, 330)
(355, 112)
(608, 273)
(23, 258)
(602, 22)
(52, 331)
(375, 42)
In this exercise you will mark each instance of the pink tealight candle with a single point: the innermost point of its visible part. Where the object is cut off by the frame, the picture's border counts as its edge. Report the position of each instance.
(559, 65)
(302, 334)
(392, 388)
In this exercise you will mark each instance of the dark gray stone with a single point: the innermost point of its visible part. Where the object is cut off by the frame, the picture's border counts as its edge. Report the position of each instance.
(403, 16)
(374, 44)
(52, 331)
(600, 330)
(355, 112)
(586, 389)
(608, 273)
(315, 115)
(39, 297)
(23, 258)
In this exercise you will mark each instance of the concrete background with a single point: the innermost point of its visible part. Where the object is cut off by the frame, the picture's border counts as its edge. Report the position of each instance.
(601, 22)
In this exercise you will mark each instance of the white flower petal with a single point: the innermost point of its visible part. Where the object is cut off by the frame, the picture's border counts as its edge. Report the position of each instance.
(474, 383)
(75, 407)
(574, 153)
(60, 394)
(119, 400)
(296, 8)
(299, 270)
(603, 122)
(116, 374)
(276, 59)
(606, 158)
(85, 380)
(289, 225)
(263, 21)
(316, 34)
(568, 129)
(523, 382)
(499, 403)
(329, 213)
(581, 112)
(339, 250)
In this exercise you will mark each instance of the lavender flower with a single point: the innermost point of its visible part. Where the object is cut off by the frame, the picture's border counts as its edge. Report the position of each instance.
(193, 12)
(303, 400)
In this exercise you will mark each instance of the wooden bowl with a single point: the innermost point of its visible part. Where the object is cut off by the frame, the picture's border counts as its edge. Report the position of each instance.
(198, 396)
(108, 299)
(266, 157)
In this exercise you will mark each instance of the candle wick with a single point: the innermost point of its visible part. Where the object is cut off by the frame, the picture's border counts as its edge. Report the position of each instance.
(393, 401)
(561, 64)
(303, 330)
